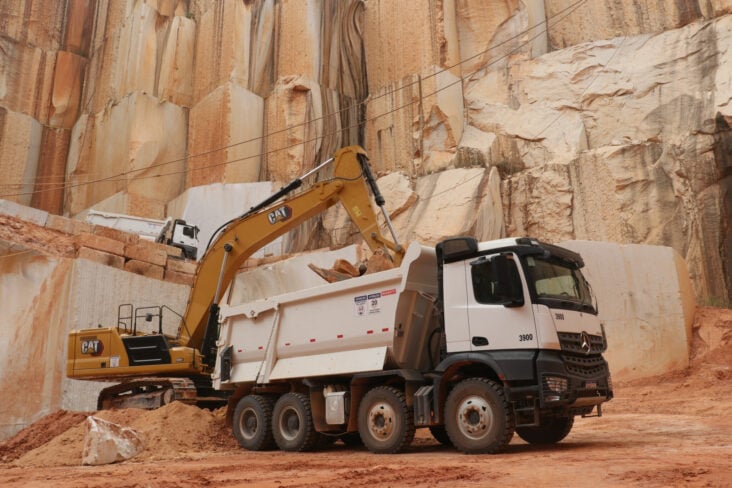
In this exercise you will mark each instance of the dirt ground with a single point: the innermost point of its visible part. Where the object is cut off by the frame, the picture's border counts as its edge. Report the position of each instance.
(670, 430)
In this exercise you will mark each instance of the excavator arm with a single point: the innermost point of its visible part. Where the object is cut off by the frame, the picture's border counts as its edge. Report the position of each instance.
(243, 236)
(156, 369)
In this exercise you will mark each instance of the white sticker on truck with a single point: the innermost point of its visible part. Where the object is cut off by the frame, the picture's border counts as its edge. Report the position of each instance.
(360, 302)
(371, 303)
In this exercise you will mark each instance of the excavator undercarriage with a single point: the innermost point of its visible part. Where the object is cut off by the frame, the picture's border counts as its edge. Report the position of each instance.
(151, 393)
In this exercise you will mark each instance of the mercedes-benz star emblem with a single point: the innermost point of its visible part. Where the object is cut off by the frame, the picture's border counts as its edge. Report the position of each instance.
(585, 342)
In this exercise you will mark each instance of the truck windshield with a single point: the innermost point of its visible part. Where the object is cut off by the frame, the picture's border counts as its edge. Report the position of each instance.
(558, 285)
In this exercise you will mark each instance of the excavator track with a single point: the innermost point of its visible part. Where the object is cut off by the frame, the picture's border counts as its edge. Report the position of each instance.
(152, 393)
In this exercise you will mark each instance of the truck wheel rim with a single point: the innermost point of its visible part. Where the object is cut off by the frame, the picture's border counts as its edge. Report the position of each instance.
(289, 423)
(381, 420)
(249, 423)
(475, 417)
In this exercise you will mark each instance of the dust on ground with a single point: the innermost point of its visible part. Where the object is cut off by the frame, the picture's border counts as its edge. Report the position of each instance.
(669, 430)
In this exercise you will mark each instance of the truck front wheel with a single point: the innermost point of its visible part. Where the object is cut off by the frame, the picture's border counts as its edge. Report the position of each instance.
(384, 421)
(292, 423)
(477, 417)
(550, 430)
(252, 424)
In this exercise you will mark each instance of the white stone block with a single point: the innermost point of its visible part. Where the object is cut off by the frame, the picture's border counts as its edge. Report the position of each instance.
(106, 443)
(210, 206)
(29, 214)
(646, 302)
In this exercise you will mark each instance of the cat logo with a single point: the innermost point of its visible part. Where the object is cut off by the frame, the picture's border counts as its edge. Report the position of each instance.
(279, 214)
(94, 347)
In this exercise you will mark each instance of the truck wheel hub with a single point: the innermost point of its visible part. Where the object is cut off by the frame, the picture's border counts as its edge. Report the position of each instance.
(249, 424)
(381, 420)
(290, 424)
(475, 417)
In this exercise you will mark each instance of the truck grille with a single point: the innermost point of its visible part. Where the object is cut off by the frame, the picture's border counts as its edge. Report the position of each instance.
(585, 366)
(573, 342)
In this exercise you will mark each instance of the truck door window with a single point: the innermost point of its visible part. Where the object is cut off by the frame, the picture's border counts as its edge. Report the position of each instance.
(496, 281)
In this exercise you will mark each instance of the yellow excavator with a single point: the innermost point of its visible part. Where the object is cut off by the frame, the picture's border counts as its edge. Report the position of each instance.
(155, 368)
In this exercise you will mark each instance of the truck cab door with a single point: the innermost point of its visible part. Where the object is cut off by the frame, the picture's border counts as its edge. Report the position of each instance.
(500, 315)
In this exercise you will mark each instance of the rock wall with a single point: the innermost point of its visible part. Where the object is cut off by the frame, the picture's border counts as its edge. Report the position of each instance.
(603, 120)
(58, 274)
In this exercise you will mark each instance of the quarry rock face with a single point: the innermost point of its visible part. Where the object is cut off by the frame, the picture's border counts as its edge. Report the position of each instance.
(602, 120)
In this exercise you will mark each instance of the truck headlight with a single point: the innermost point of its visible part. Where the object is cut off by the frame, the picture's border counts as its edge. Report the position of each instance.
(554, 387)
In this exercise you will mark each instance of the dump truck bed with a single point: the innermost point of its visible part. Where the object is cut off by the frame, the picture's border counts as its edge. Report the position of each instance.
(379, 320)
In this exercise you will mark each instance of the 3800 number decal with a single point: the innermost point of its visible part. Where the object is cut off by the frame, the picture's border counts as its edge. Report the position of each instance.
(526, 337)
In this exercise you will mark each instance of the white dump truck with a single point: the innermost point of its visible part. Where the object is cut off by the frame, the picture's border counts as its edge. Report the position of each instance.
(175, 233)
(473, 340)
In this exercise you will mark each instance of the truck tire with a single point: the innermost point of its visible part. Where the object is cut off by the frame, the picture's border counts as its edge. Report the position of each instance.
(477, 417)
(440, 434)
(252, 423)
(550, 430)
(385, 423)
(351, 439)
(292, 423)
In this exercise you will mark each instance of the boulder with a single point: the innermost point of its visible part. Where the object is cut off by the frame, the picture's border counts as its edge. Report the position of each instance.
(106, 443)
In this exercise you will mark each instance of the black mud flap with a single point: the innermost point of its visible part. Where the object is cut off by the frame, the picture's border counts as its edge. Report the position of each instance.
(226, 363)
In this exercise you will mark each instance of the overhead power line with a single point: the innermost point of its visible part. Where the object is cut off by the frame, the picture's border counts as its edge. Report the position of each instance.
(123, 176)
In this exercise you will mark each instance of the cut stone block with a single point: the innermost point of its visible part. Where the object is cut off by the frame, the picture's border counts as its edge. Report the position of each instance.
(145, 269)
(101, 243)
(178, 277)
(181, 266)
(68, 226)
(101, 257)
(646, 302)
(148, 252)
(116, 234)
(19, 211)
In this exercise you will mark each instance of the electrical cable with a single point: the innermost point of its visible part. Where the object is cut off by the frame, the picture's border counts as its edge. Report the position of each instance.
(124, 175)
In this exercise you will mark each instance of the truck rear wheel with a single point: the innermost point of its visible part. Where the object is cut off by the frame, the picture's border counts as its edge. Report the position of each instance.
(384, 421)
(292, 423)
(252, 424)
(550, 430)
(477, 417)
(440, 434)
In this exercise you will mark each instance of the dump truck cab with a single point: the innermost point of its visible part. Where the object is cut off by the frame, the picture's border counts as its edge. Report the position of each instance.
(522, 311)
